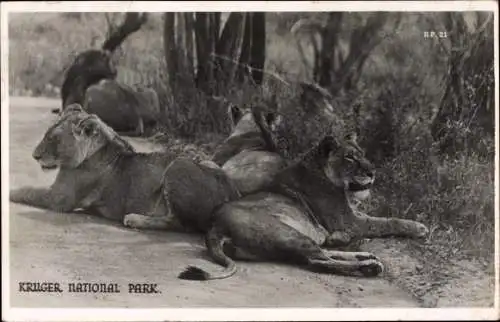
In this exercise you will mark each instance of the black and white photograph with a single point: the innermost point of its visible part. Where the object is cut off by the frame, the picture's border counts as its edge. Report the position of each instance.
(225, 160)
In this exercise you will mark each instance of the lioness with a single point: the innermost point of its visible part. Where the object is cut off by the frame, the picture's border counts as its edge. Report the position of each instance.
(243, 155)
(91, 82)
(130, 111)
(98, 172)
(306, 208)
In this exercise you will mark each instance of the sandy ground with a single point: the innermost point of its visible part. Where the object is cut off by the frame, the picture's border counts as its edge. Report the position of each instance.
(65, 248)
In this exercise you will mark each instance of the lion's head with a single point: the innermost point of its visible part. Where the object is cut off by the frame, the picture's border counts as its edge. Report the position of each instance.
(73, 138)
(242, 118)
(245, 133)
(344, 163)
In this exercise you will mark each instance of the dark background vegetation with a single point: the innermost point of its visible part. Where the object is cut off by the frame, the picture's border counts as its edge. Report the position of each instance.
(423, 107)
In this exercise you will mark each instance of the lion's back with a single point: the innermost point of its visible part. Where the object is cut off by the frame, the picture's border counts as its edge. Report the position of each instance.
(107, 100)
(195, 190)
(146, 168)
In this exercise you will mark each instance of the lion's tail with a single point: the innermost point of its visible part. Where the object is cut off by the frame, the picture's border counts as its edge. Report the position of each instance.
(214, 241)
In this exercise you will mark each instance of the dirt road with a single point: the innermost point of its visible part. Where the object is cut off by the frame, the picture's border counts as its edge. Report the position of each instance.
(65, 248)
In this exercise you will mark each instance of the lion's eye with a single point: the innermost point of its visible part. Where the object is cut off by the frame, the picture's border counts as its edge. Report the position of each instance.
(349, 158)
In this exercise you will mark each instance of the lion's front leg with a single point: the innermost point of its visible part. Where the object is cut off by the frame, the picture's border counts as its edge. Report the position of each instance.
(377, 227)
(148, 222)
(364, 226)
(45, 198)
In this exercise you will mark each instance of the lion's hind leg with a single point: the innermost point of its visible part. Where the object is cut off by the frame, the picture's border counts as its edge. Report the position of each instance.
(160, 217)
(367, 268)
(349, 256)
(346, 263)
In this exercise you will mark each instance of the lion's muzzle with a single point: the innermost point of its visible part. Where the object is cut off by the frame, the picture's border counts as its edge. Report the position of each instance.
(44, 163)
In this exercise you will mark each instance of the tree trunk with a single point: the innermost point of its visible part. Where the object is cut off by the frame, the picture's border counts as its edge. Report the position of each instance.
(228, 50)
(465, 104)
(189, 30)
(202, 51)
(329, 35)
(132, 23)
(244, 62)
(170, 49)
(258, 46)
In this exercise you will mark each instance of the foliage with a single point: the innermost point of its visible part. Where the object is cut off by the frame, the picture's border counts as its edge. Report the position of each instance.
(466, 112)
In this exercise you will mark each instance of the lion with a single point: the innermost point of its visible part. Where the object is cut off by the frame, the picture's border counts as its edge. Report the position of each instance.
(91, 82)
(99, 172)
(305, 212)
(243, 155)
(130, 111)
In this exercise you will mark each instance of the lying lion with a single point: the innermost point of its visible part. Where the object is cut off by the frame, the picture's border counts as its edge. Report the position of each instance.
(91, 82)
(303, 211)
(244, 155)
(100, 172)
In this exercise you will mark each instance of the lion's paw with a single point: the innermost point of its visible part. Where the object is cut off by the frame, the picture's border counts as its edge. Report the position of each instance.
(18, 195)
(421, 230)
(362, 256)
(371, 268)
(133, 221)
(210, 164)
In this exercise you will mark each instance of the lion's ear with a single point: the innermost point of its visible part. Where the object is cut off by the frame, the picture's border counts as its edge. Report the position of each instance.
(235, 114)
(273, 119)
(89, 126)
(327, 145)
(96, 126)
